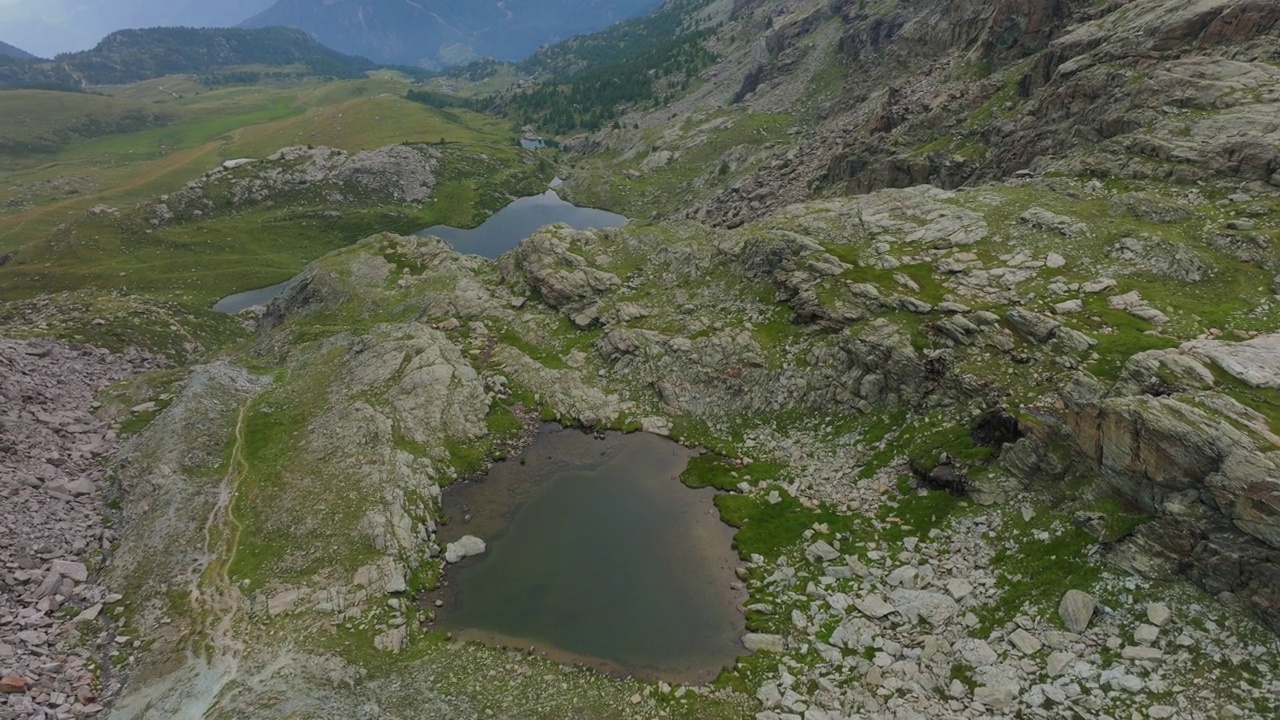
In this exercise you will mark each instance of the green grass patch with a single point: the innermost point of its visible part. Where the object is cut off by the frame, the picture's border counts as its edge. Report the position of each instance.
(716, 471)
(139, 421)
(299, 514)
(1037, 573)
(1122, 518)
(769, 529)
(600, 182)
(915, 512)
(1129, 336)
(548, 359)
(196, 263)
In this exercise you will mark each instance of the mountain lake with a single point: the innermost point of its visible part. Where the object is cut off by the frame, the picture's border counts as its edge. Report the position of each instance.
(597, 555)
(496, 235)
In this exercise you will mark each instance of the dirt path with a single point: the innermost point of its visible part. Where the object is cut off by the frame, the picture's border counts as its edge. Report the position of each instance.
(215, 651)
(213, 589)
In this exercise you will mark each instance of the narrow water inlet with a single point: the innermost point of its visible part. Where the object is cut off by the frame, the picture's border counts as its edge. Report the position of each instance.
(249, 298)
(598, 555)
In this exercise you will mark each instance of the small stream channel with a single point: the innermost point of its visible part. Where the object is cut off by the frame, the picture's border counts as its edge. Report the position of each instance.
(597, 555)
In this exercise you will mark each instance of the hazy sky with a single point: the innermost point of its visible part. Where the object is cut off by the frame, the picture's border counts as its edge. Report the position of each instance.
(48, 27)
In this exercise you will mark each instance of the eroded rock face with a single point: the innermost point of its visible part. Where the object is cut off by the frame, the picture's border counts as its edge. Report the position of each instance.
(1144, 89)
(1205, 465)
(551, 268)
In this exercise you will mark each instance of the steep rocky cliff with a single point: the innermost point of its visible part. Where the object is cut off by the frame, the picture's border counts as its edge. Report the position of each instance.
(893, 94)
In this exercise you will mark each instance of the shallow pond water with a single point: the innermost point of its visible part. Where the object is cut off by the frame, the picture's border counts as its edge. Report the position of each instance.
(597, 554)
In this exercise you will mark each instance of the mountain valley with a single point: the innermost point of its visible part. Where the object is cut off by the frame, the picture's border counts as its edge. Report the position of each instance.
(967, 310)
(433, 33)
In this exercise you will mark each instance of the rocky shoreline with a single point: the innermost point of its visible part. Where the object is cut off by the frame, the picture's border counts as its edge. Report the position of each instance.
(58, 639)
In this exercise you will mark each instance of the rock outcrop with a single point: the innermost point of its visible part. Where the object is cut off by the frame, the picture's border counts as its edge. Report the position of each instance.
(560, 276)
(336, 178)
(954, 93)
(1206, 466)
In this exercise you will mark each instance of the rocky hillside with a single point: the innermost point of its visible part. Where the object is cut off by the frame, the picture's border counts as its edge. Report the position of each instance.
(433, 33)
(57, 625)
(974, 306)
(892, 94)
(1093, 364)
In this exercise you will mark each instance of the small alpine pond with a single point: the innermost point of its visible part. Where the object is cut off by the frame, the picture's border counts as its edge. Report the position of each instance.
(598, 555)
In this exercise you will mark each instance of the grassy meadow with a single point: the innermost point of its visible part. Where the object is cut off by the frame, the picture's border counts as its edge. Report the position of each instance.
(74, 271)
(64, 153)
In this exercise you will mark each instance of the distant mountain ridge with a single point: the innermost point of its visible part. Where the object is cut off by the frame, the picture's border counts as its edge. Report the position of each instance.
(128, 56)
(50, 27)
(433, 33)
(8, 50)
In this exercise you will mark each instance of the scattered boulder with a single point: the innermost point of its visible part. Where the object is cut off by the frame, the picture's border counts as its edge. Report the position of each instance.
(934, 607)
(1133, 304)
(1058, 663)
(1025, 642)
(465, 547)
(1098, 286)
(762, 642)
(1146, 634)
(997, 695)
(1069, 306)
(393, 640)
(977, 653)
(283, 602)
(821, 550)
(13, 684)
(959, 588)
(1042, 219)
(1161, 257)
(1076, 610)
(1032, 326)
(74, 570)
(1158, 614)
(1141, 652)
(873, 606)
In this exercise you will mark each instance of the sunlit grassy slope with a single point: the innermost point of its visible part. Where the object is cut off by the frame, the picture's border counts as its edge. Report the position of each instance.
(78, 162)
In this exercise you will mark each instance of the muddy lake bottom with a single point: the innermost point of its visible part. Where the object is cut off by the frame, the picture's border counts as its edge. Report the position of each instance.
(597, 555)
